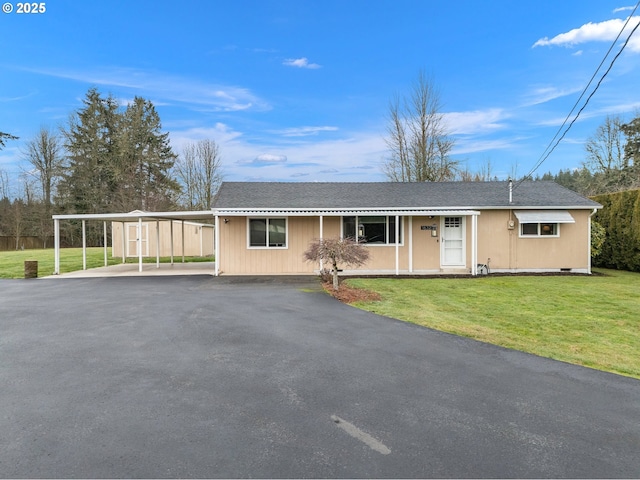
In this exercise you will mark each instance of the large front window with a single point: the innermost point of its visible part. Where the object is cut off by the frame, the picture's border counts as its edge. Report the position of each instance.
(268, 232)
(372, 229)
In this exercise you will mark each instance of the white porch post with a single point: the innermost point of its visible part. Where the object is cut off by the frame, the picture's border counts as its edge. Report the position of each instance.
(216, 245)
(474, 244)
(410, 240)
(157, 243)
(105, 243)
(139, 244)
(84, 244)
(56, 247)
(397, 232)
(321, 237)
(201, 240)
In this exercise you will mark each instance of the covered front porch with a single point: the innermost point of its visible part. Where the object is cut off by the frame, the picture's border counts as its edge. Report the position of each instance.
(398, 239)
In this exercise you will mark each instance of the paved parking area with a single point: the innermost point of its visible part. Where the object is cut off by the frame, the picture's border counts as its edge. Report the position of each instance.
(207, 377)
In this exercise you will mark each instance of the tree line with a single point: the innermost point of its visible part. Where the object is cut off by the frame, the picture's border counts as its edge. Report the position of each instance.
(105, 158)
(110, 158)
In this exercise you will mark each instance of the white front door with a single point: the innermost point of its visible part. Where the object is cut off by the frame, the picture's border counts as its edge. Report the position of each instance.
(453, 244)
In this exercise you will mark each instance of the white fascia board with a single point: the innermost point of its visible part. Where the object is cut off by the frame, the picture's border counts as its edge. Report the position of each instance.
(310, 212)
(125, 217)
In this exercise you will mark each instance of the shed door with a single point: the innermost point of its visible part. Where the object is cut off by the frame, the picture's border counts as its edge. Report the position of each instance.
(453, 253)
(132, 240)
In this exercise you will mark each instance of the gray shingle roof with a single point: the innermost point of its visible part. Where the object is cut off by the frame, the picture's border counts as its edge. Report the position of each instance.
(439, 195)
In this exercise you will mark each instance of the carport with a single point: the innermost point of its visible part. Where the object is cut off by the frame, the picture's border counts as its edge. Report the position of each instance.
(136, 216)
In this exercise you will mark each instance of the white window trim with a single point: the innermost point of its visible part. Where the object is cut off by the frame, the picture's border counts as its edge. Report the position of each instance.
(521, 235)
(400, 230)
(267, 247)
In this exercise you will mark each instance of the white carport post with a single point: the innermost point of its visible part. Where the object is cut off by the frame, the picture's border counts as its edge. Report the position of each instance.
(157, 243)
(139, 244)
(171, 229)
(216, 245)
(124, 243)
(182, 241)
(84, 244)
(397, 233)
(105, 243)
(56, 247)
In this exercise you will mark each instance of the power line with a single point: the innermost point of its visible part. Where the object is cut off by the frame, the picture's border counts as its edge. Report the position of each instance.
(551, 148)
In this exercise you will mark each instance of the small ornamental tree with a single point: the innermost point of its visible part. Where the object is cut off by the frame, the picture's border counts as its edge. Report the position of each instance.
(337, 251)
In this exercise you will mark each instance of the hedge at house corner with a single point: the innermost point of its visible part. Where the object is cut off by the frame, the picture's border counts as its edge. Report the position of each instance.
(620, 217)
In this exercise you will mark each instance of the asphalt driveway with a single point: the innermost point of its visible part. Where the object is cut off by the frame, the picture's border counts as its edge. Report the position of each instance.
(226, 377)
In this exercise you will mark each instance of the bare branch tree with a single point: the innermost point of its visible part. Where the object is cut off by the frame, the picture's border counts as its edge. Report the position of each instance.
(337, 251)
(44, 153)
(199, 170)
(419, 141)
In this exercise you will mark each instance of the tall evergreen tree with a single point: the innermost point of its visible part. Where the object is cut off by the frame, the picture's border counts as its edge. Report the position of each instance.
(145, 160)
(91, 143)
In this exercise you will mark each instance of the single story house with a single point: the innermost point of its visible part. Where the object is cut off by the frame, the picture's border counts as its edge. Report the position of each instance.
(409, 228)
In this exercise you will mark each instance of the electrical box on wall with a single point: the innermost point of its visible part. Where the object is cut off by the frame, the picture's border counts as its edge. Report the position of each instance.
(511, 224)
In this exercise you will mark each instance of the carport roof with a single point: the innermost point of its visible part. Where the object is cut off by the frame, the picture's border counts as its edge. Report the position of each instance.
(135, 215)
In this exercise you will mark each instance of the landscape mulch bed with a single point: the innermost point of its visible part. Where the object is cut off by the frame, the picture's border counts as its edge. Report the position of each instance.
(347, 294)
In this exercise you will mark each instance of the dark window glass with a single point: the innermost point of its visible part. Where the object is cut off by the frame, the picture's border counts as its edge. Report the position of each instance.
(258, 232)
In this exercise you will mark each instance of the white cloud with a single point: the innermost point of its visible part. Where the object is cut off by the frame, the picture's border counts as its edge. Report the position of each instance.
(166, 88)
(477, 121)
(544, 94)
(304, 131)
(623, 9)
(300, 63)
(594, 32)
(269, 158)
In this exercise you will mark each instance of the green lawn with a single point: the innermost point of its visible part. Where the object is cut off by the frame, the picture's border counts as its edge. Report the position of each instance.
(12, 263)
(587, 320)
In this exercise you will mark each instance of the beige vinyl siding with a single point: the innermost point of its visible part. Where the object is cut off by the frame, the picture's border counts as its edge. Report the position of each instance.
(506, 249)
(509, 251)
(236, 258)
(426, 249)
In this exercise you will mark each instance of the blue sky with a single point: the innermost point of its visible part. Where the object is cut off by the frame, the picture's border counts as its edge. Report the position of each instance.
(298, 90)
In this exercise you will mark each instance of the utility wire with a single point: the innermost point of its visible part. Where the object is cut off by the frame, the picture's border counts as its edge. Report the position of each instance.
(551, 148)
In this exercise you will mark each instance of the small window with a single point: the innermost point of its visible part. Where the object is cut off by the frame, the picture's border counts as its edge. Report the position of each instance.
(268, 232)
(539, 230)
